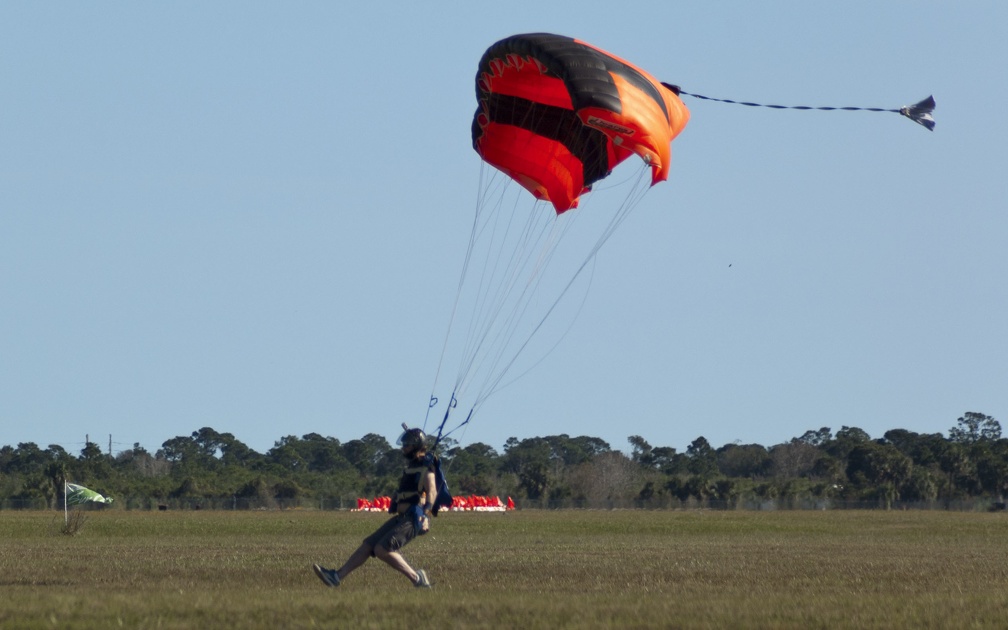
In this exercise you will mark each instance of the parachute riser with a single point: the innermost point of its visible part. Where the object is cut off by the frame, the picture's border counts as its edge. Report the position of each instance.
(441, 433)
(444, 421)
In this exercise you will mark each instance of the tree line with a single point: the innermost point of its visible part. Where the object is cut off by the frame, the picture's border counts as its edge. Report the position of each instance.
(820, 468)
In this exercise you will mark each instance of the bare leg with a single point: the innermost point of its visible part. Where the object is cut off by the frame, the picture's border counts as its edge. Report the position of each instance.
(396, 561)
(356, 559)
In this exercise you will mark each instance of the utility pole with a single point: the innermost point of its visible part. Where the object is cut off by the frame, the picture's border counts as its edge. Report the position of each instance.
(110, 445)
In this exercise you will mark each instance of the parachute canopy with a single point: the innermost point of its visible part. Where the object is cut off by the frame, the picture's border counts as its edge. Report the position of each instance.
(556, 115)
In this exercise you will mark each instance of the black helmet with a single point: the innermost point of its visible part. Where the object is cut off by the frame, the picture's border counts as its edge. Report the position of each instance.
(412, 438)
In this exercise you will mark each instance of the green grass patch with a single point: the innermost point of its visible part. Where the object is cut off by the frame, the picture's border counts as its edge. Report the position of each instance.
(528, 569)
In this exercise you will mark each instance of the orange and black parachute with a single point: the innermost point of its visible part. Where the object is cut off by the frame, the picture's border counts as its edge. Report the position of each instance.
(557, 115)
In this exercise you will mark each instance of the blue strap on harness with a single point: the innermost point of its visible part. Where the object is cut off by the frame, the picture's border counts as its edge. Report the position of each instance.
(416, 514)
(444, 497)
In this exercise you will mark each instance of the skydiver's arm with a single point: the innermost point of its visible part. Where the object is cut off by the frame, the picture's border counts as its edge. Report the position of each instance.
(430, 495)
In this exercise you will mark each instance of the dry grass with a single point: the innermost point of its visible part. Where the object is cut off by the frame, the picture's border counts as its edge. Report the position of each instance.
(526, 569)
(72, 522)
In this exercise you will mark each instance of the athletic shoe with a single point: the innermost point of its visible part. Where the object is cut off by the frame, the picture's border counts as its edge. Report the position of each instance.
(421, 579)
(329, 577)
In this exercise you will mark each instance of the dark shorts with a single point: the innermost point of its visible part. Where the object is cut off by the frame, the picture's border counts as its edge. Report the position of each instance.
(393, 535)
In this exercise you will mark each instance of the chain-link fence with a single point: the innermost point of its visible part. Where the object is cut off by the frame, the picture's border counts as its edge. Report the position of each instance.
(190, 503)
(980, 504)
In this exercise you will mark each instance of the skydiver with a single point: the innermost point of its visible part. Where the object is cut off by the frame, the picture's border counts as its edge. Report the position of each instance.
(411, 507)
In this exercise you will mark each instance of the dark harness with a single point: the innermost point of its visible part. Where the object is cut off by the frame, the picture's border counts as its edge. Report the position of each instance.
(411, 481)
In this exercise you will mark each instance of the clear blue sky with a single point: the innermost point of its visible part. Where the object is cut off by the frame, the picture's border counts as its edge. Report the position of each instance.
(252, 216)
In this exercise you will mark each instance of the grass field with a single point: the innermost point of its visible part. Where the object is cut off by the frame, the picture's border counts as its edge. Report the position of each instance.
(526, 569)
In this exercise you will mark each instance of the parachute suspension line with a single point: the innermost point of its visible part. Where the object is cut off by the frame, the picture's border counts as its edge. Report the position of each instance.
(517, 377)
(495, 322)
(451, 320)
(487, 305)
(510, 251)
(482, 307)
(522, 301)
(525, 272)
(488, 206)
(496, 182)
(632, 199)
(919, 112)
